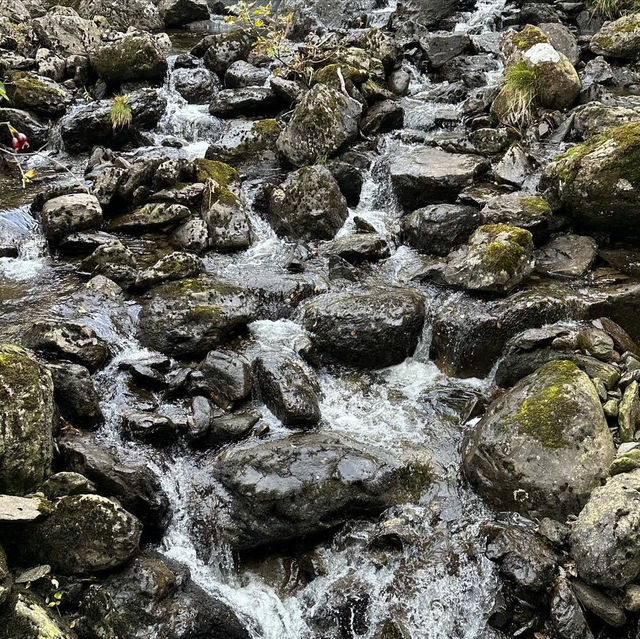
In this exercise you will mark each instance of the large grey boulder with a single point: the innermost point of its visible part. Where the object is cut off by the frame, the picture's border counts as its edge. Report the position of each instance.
(62, 30)
(173, 605)
(68, 214)
(179, 12)
(619, 39)
(438, 228)
(308, 205)
(193, 316)
(376, 327)
(141, 14)
(605, 539)
(543, 446)
(302, 485)
(597, 181)
(134, 486)
(429, 175)
(496, 259)
(134, 56)
(322, 122)
(27, 420)
(84, 534)
(90, 125)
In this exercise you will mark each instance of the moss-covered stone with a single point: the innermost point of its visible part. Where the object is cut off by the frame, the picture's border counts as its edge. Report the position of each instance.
(619, 39)
(32, 91)
(222, 173)
(497, 258)
(542, 446)
(27, 417)
(598, 181)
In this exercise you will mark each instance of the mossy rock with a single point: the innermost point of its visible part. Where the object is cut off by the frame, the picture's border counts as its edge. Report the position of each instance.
(598, 182)
(619, 39)
(543, 446)
(513, 43)
(38, 93)
(496, 259)
(222, 173)
(27, 415)
(256, 145)
(135, 56)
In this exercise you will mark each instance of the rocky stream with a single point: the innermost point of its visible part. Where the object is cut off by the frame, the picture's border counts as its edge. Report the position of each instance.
(319, 320)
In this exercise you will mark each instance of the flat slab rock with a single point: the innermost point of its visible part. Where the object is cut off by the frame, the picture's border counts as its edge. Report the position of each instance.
(19, 509)
(429, 175)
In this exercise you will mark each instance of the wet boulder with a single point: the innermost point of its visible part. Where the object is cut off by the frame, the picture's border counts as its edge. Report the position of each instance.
(90, 125)
(196, 86)
(75, 394)
(308, 205)
(372, 328)
(516, 209)
(359, 247)
(193, 316)
(84, 534)
(175, 266)
(27, 414)
(176, 13)
(141, 14)
(37, 93)
(243, 74)
(382, 117)
(438, 228)
(230, 103)
(597, 181)
(173, 605)
(287, 390)
(605, 537)
(62, 30)
(223, 49)
(428, 175)
(150, 217)
(567, 615)
(322, 122)
(496, 259)
(226, 377)
(70, 213)
(76, 342)
(226, 216)
(523, 557)
(152, 428)
(134, 56)
(619, 39)
(135, 487)
(566, 256)
(306, 484)
(543, 446)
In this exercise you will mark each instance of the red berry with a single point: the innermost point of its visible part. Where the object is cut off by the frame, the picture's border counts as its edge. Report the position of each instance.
(15, 143)
(23, 139)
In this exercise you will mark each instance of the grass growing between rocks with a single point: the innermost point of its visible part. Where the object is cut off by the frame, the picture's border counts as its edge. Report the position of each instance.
(614, 8)
(520, 89)
(120, 113)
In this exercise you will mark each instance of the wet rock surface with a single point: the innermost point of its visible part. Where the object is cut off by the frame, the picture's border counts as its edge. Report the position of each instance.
(408, 251)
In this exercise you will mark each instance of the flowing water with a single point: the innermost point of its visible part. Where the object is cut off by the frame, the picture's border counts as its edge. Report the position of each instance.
(438, 586)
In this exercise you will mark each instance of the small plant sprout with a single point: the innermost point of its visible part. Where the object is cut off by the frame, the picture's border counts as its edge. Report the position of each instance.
(55, 599)
(120, 113)
(520, 90)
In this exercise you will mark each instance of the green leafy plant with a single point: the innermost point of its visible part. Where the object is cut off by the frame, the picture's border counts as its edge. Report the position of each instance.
(520, 91)
(55, 599)
(120, 113)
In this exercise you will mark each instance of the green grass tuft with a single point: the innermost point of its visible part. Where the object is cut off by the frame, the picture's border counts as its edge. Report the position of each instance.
(120, 113)
(520, 88)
